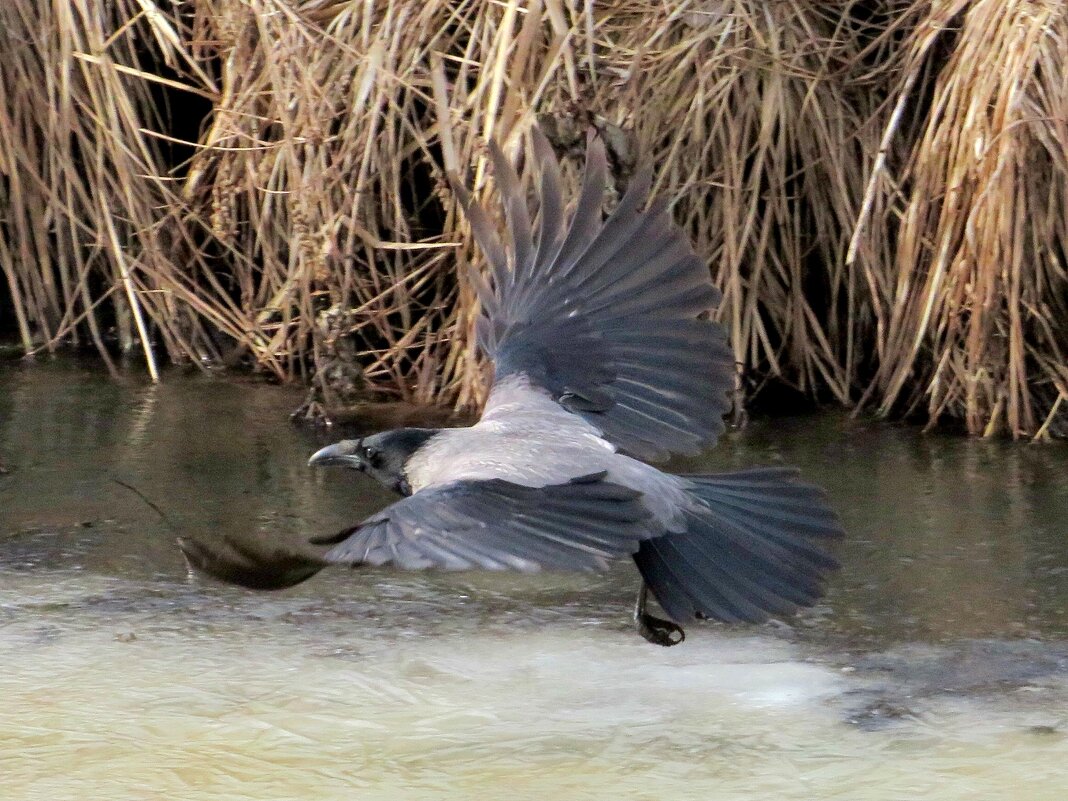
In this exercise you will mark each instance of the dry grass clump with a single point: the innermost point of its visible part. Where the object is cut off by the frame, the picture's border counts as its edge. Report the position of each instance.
(879, 186)
(75, 186)
(759, 123)
(971, 308)
(290, 226)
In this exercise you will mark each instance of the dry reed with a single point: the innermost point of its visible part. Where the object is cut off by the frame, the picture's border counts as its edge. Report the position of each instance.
(879, 187)
(971, 308)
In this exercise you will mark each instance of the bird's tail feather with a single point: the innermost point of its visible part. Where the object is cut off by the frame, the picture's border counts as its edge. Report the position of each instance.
(752, 548)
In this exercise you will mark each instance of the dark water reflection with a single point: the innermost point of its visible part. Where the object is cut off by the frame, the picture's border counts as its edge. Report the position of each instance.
(216, 456)
(938, 662)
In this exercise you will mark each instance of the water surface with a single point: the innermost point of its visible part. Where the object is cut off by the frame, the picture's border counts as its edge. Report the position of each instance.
(937, 668)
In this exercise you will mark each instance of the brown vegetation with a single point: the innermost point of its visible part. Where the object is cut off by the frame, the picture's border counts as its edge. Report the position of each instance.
(878, 186)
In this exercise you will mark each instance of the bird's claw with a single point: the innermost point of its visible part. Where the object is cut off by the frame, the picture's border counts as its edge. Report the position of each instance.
(655, 629)
(659, 631)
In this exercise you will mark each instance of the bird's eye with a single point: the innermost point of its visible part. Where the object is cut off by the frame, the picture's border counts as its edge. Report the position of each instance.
(372, 456)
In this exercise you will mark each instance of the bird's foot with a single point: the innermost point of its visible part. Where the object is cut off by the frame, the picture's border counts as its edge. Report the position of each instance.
(655, 629)
(659, 631)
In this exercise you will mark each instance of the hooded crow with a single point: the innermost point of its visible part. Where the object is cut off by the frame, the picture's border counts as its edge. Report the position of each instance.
(605, 358)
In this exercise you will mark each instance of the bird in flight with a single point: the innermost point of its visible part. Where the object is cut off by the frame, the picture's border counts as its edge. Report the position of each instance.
(605, 358)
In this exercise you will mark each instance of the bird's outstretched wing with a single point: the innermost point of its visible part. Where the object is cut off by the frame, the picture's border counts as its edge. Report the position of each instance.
(497, 525)
(610, 317)
(493, 525)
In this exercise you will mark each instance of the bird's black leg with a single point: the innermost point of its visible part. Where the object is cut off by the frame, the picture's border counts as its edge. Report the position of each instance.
(655, 629)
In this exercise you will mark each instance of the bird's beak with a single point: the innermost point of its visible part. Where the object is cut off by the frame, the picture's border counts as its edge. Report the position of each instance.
(340, 453)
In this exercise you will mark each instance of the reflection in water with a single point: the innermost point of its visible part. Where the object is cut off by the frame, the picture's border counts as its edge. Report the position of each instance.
(938, 668)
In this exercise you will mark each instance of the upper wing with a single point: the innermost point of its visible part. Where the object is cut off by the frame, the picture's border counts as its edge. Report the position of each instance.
(608, 316)
(497, 525)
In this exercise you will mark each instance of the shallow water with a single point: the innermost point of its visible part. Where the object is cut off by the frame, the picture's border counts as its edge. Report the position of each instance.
(936, 669)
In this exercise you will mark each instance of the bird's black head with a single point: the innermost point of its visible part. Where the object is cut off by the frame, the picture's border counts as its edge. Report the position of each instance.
(382, 456)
